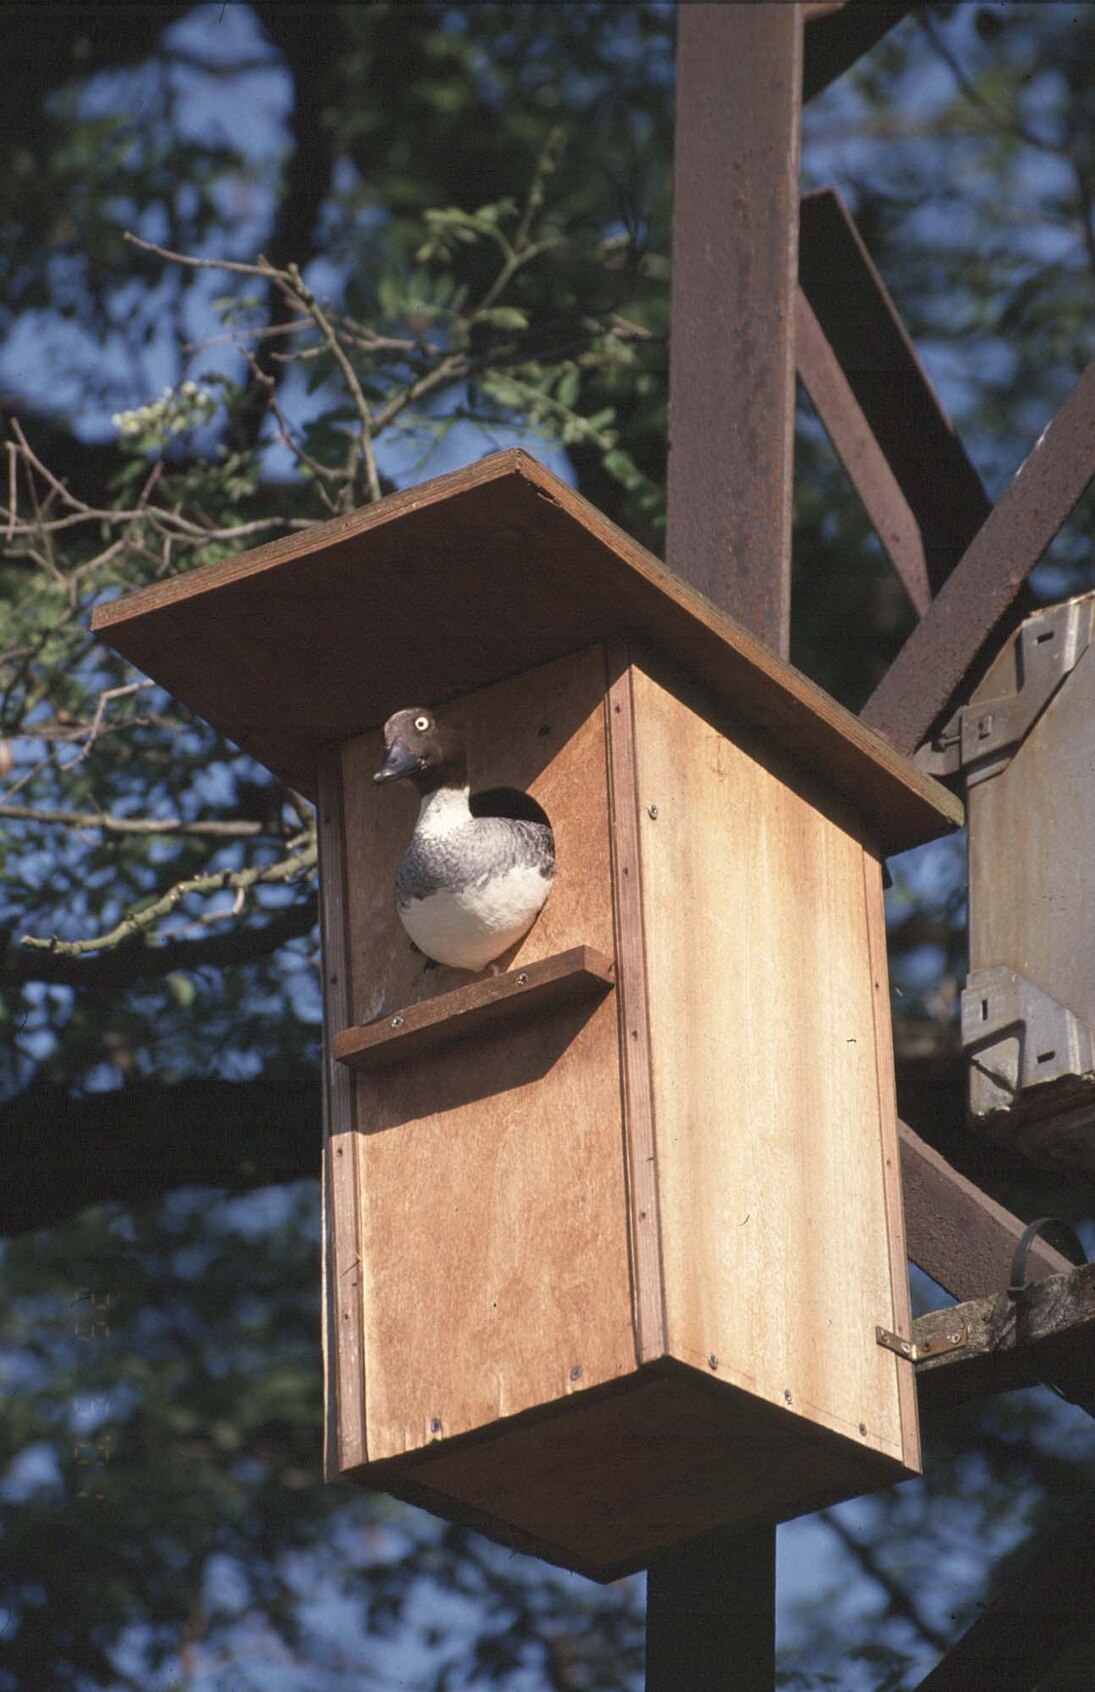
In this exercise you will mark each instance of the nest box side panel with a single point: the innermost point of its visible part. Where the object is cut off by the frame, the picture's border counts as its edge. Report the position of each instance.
(771, 1131)
(1030, 830)
(344, 1421)
(492, 1224)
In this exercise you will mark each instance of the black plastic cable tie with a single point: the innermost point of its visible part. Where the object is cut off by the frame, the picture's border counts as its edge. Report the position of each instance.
(1018, 1282)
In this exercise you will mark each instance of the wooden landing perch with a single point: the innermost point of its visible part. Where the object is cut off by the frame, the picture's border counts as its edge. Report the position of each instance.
(1042, 1335)
(487, 1003)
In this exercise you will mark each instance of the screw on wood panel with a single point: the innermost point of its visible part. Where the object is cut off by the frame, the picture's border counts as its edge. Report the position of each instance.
(713, 1361)
(652, 811)
(576, 1372)
(787, 1395)
(522, 979)
(435, 1424)
(863, 1428)
(396, 1022)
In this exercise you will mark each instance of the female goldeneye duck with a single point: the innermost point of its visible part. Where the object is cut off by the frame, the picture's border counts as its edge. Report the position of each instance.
(478, 868)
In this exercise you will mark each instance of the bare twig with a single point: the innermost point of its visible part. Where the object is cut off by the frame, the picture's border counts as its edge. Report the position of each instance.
(137, 924)
(213, 829)
(349, 376)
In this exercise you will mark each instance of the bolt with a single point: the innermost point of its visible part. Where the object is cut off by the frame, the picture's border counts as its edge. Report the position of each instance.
(713, 1361)
(435, 1424)
(576, 1372)
(522, 979)
(652, 811)
(396, 1022)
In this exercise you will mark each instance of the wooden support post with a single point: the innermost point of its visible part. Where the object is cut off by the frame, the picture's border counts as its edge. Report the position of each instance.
(1043, 1608)
(711, 1603)
(956, 1233)
(710, 1610)
(732, 334)
(988, 1345)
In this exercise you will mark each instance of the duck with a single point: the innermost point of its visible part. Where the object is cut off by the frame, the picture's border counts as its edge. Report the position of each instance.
(478, 868)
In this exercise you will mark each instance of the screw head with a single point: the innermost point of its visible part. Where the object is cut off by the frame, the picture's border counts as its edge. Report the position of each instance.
(522, 978)
(712, 1361)
(396, 1022)
(435, 1424)
(652, 811)
(576, 1372)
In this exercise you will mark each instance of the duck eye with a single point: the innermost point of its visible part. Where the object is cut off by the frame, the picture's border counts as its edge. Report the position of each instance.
(422, 724)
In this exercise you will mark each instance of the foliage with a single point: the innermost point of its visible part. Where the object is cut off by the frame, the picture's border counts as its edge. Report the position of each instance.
(358, 253)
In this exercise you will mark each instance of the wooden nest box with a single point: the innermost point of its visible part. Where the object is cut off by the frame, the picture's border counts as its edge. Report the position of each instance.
(608, 1235)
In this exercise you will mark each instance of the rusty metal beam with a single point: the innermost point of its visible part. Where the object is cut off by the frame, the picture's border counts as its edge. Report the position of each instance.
(886, 414)
(944, 651)
(854, 442)
(955, 1232)
(838, 35)
(731, 369)
(1045, 1606)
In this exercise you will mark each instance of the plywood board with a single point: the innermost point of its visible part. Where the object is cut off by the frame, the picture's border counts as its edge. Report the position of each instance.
(634, 1021)
(606, 1480)
(493, 1220)
(769, 1123)
(344, 1427)
(543, 733)
(488, 1004)
(442, 589)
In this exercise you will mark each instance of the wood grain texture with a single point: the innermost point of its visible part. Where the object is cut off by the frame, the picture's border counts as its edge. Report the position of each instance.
(732, 365)
(770, 1169)
(491, 1180)
(492, 1004)
(957, 1234)
(344, 1438)
(1045, 1334)
(608, 1479)
(634, 1021)
(446, 587)
(888, 1148)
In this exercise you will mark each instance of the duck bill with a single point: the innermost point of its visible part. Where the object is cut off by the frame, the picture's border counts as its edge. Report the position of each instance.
(400, 761)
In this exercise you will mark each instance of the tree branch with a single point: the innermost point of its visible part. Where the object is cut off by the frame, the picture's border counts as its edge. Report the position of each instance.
(137, 961)
(135, 924)
(216, 829)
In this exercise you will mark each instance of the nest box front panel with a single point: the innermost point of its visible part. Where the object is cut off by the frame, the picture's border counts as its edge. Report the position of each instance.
(782, 1245)
(492, 1227)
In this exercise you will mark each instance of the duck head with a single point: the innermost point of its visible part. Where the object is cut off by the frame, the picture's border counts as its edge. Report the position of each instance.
(423, 750)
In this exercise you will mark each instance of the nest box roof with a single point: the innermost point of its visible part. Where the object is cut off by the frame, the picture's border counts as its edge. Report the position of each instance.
(453, 584)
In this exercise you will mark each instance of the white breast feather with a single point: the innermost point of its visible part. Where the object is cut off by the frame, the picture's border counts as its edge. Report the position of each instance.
(471, 928)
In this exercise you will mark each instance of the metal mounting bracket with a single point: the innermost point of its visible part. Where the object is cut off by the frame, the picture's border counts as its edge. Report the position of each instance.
(982, 736)
(955, 1339)
(1018, 1036)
